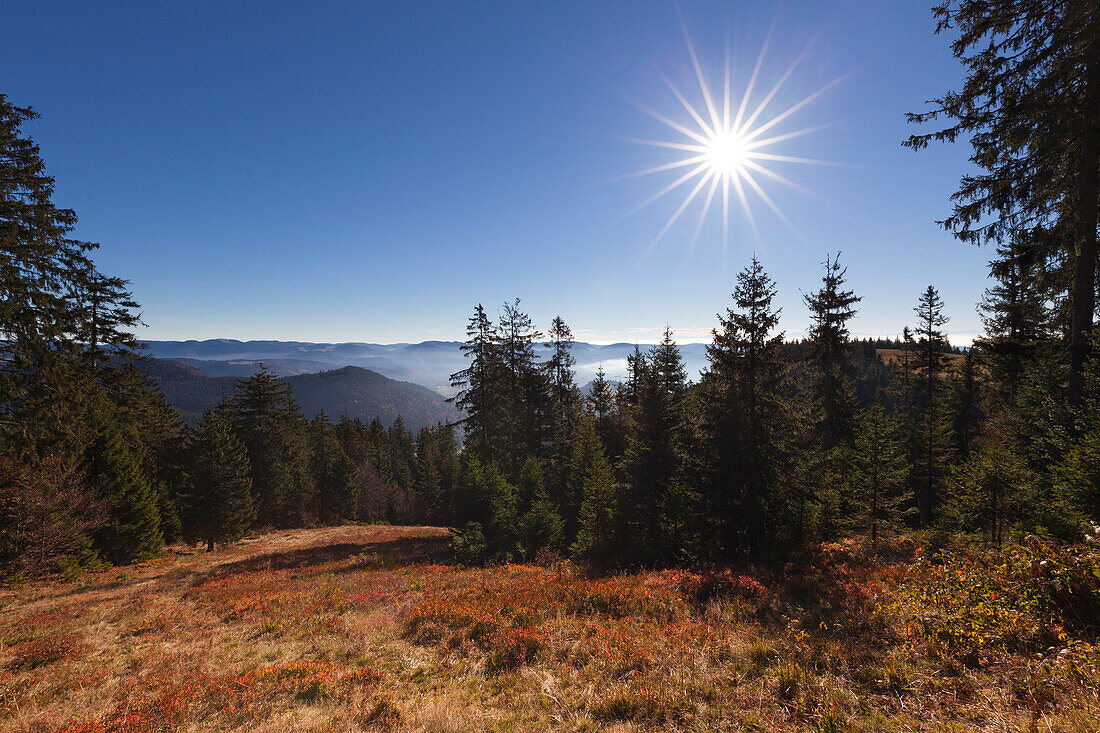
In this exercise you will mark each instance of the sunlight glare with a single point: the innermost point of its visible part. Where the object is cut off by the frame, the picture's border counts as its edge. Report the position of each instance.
(727, 151)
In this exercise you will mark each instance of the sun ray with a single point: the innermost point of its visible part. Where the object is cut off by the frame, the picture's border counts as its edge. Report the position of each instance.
(776, 177)
(753, 144)
(666, 167)
(794, 108)
(709, 131)
(699, 75)
(730, 149)
(752, 82)
(757, 155)
(675, 126)
(745, 204)
(774, 90)
(667, 144)
(675, 184)
(725, 210)
(676, 215)
(771, 204)
(706, 209)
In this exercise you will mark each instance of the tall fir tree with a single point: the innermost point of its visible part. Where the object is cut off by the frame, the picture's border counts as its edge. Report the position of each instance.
(1015, 313)
(653, 461)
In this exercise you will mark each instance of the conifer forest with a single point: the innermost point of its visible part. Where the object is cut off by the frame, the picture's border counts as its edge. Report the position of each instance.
(815, 531)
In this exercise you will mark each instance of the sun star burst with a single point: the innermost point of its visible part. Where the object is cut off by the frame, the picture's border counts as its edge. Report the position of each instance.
(727, 150)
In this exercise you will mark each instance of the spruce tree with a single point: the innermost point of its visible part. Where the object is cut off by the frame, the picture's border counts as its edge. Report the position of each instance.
(131, 531)
(592, 478)
(266, 418)
(1029, 104)
(653, 461)
(217, 504)
(337, 495)
(428, 490)
(480, 387)
(929, 442)
(1076, 474)
(831, 307)
(523, 390)
(601, 403)
(1015, 314)
(881, 468)
(746, 420)
(563, 401)
(992, 489)
(40, 323)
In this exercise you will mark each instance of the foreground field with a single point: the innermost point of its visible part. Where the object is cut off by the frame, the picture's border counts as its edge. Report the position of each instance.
(357, 628)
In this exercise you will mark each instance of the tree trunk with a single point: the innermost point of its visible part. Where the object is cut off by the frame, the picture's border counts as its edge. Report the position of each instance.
(1084, 265)
(210, 545)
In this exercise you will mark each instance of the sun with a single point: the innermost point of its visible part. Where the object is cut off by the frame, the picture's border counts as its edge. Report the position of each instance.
(728, 146)
(726, 153)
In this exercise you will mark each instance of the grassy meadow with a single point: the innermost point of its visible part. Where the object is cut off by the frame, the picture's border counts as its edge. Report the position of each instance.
(368, 628)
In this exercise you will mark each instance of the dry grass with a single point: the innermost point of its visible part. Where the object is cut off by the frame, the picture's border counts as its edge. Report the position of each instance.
(360, 628)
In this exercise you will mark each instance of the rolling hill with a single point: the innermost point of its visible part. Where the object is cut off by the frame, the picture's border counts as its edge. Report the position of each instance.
(429, 363)
(351, 391)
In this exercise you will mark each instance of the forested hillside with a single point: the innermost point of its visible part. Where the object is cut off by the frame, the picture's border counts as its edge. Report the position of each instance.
(351, 391)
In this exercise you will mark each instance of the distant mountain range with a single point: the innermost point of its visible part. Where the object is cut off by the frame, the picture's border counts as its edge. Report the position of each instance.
(429, 364)
(348, 390)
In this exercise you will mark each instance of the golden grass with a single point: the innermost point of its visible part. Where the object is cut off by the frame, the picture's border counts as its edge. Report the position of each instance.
(360, 628)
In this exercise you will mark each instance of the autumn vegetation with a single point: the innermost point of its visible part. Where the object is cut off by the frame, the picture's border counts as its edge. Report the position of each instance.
(373, 628)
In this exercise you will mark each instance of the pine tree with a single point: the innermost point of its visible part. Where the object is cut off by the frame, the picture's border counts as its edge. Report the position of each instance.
(1076, 474)
(523, 390)
(563, 401)
(540, 520)
(489, 500)
(831, 308)
(480, 387)
(427, 480)
(218, 504)
(398, 468)
(1029, 104)
(541, 526)
(964, 405)
(880, 472)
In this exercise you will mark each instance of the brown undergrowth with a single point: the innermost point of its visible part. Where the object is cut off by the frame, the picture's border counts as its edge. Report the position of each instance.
(365, 628)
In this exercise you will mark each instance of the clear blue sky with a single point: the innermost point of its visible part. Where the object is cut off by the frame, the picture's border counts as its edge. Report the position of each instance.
(362, 171)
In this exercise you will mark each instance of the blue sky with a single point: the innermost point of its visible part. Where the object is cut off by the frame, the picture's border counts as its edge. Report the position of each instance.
(370, 171)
